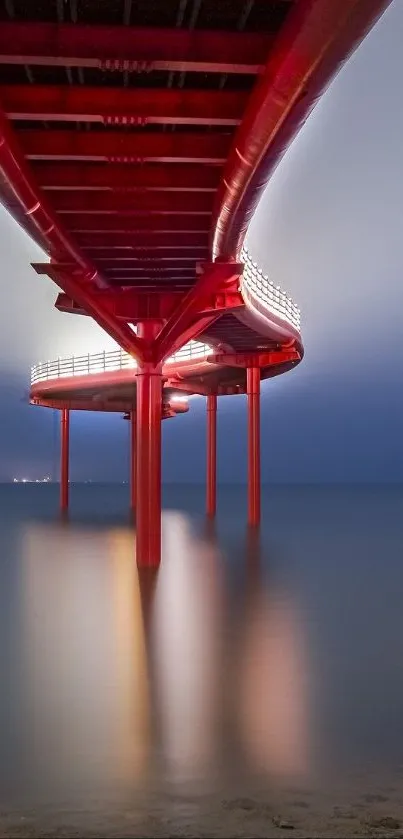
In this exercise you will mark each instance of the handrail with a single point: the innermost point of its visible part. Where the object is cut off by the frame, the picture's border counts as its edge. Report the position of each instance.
(107, 362)
(257, 288)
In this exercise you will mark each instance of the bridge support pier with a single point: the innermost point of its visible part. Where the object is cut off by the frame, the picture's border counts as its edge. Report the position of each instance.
(64, 458)
(211, 489)
(148, 455)
(253, 392)
(133, 447)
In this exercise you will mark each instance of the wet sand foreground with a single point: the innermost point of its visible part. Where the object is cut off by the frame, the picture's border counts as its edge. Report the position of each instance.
(367, 809)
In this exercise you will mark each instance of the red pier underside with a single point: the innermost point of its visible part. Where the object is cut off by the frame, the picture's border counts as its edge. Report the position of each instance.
(135, 142)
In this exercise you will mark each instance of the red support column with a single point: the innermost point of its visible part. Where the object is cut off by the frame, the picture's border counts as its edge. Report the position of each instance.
(253, 391)
(133, 447)
(148, 455)
(64, 458)
(211, 455)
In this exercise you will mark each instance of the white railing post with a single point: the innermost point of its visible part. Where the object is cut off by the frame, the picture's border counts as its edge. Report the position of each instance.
(104, 361)
(258, 286)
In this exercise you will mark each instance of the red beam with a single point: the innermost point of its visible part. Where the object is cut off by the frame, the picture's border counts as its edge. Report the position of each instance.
(93, 303)
(123, 106)
(151, 266)
(188, 387)
(133, 202)
(269, 358)
(130, 305)
(86, 223)
(165, 284)
(132, 240)
(22, 197)
(154, 271)
(125, 147)
(179, 287)
(113, 48)
(79, 404)
(151, 176)
(183, 323)
(150, 286)
(166, 257)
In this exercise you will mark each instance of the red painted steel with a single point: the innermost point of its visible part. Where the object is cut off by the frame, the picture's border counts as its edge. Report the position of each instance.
(39, 216)
(123, 106)
(64, 458)
(113, 48)
(143, 240)
(253, 391)
(132, 203)
(211, 499)
(94, 305)
(182, 197)
(131, 254)
(180, 263)
(118, 147)
(155, 271)
(87, 223)
(133, 455)
(316, 39)
(148, 460)
(147, 177)
(176, 331)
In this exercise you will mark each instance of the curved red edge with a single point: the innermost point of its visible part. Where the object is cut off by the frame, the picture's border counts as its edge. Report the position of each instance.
(33, 210)
(317, 39)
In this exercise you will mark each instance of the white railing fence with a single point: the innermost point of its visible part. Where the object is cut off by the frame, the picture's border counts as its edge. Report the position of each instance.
(256, 286)
(256, 289)
(107, 362)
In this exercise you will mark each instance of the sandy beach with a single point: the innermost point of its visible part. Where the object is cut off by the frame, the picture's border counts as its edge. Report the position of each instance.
(366, 809)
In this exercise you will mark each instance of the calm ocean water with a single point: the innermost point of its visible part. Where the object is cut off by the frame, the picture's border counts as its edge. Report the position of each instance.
(282, 655)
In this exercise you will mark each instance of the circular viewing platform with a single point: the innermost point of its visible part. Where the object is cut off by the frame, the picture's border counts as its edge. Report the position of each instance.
(266, 327)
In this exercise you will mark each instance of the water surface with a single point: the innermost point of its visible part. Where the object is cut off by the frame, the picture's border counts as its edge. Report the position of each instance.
(272, 657)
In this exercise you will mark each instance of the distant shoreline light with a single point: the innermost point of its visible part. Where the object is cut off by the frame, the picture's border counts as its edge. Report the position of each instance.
(45, 480)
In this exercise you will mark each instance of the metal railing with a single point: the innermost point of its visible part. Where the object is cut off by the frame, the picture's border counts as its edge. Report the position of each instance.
(107, 362)
(257, 288)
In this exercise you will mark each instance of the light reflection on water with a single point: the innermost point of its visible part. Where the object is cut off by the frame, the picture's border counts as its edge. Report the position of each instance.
(126, 674)
(231, 659)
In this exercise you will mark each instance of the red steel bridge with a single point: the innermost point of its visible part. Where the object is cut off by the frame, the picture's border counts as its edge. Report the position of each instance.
(136, 138)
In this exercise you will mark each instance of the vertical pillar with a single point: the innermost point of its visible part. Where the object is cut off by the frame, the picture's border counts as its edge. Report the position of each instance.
(211, 499)
(253, 391)
(148, 455)
(133, 447)
(64, 458)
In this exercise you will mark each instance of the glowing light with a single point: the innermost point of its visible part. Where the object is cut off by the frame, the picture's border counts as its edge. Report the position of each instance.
(107, 362)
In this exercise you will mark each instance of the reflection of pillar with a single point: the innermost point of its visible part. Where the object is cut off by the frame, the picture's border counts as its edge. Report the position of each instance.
(87, 604)
(133, 435)
(187, 664)
(148, 456)
(272, 699)
(253, 391)
(211, 454)
(64, 458)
